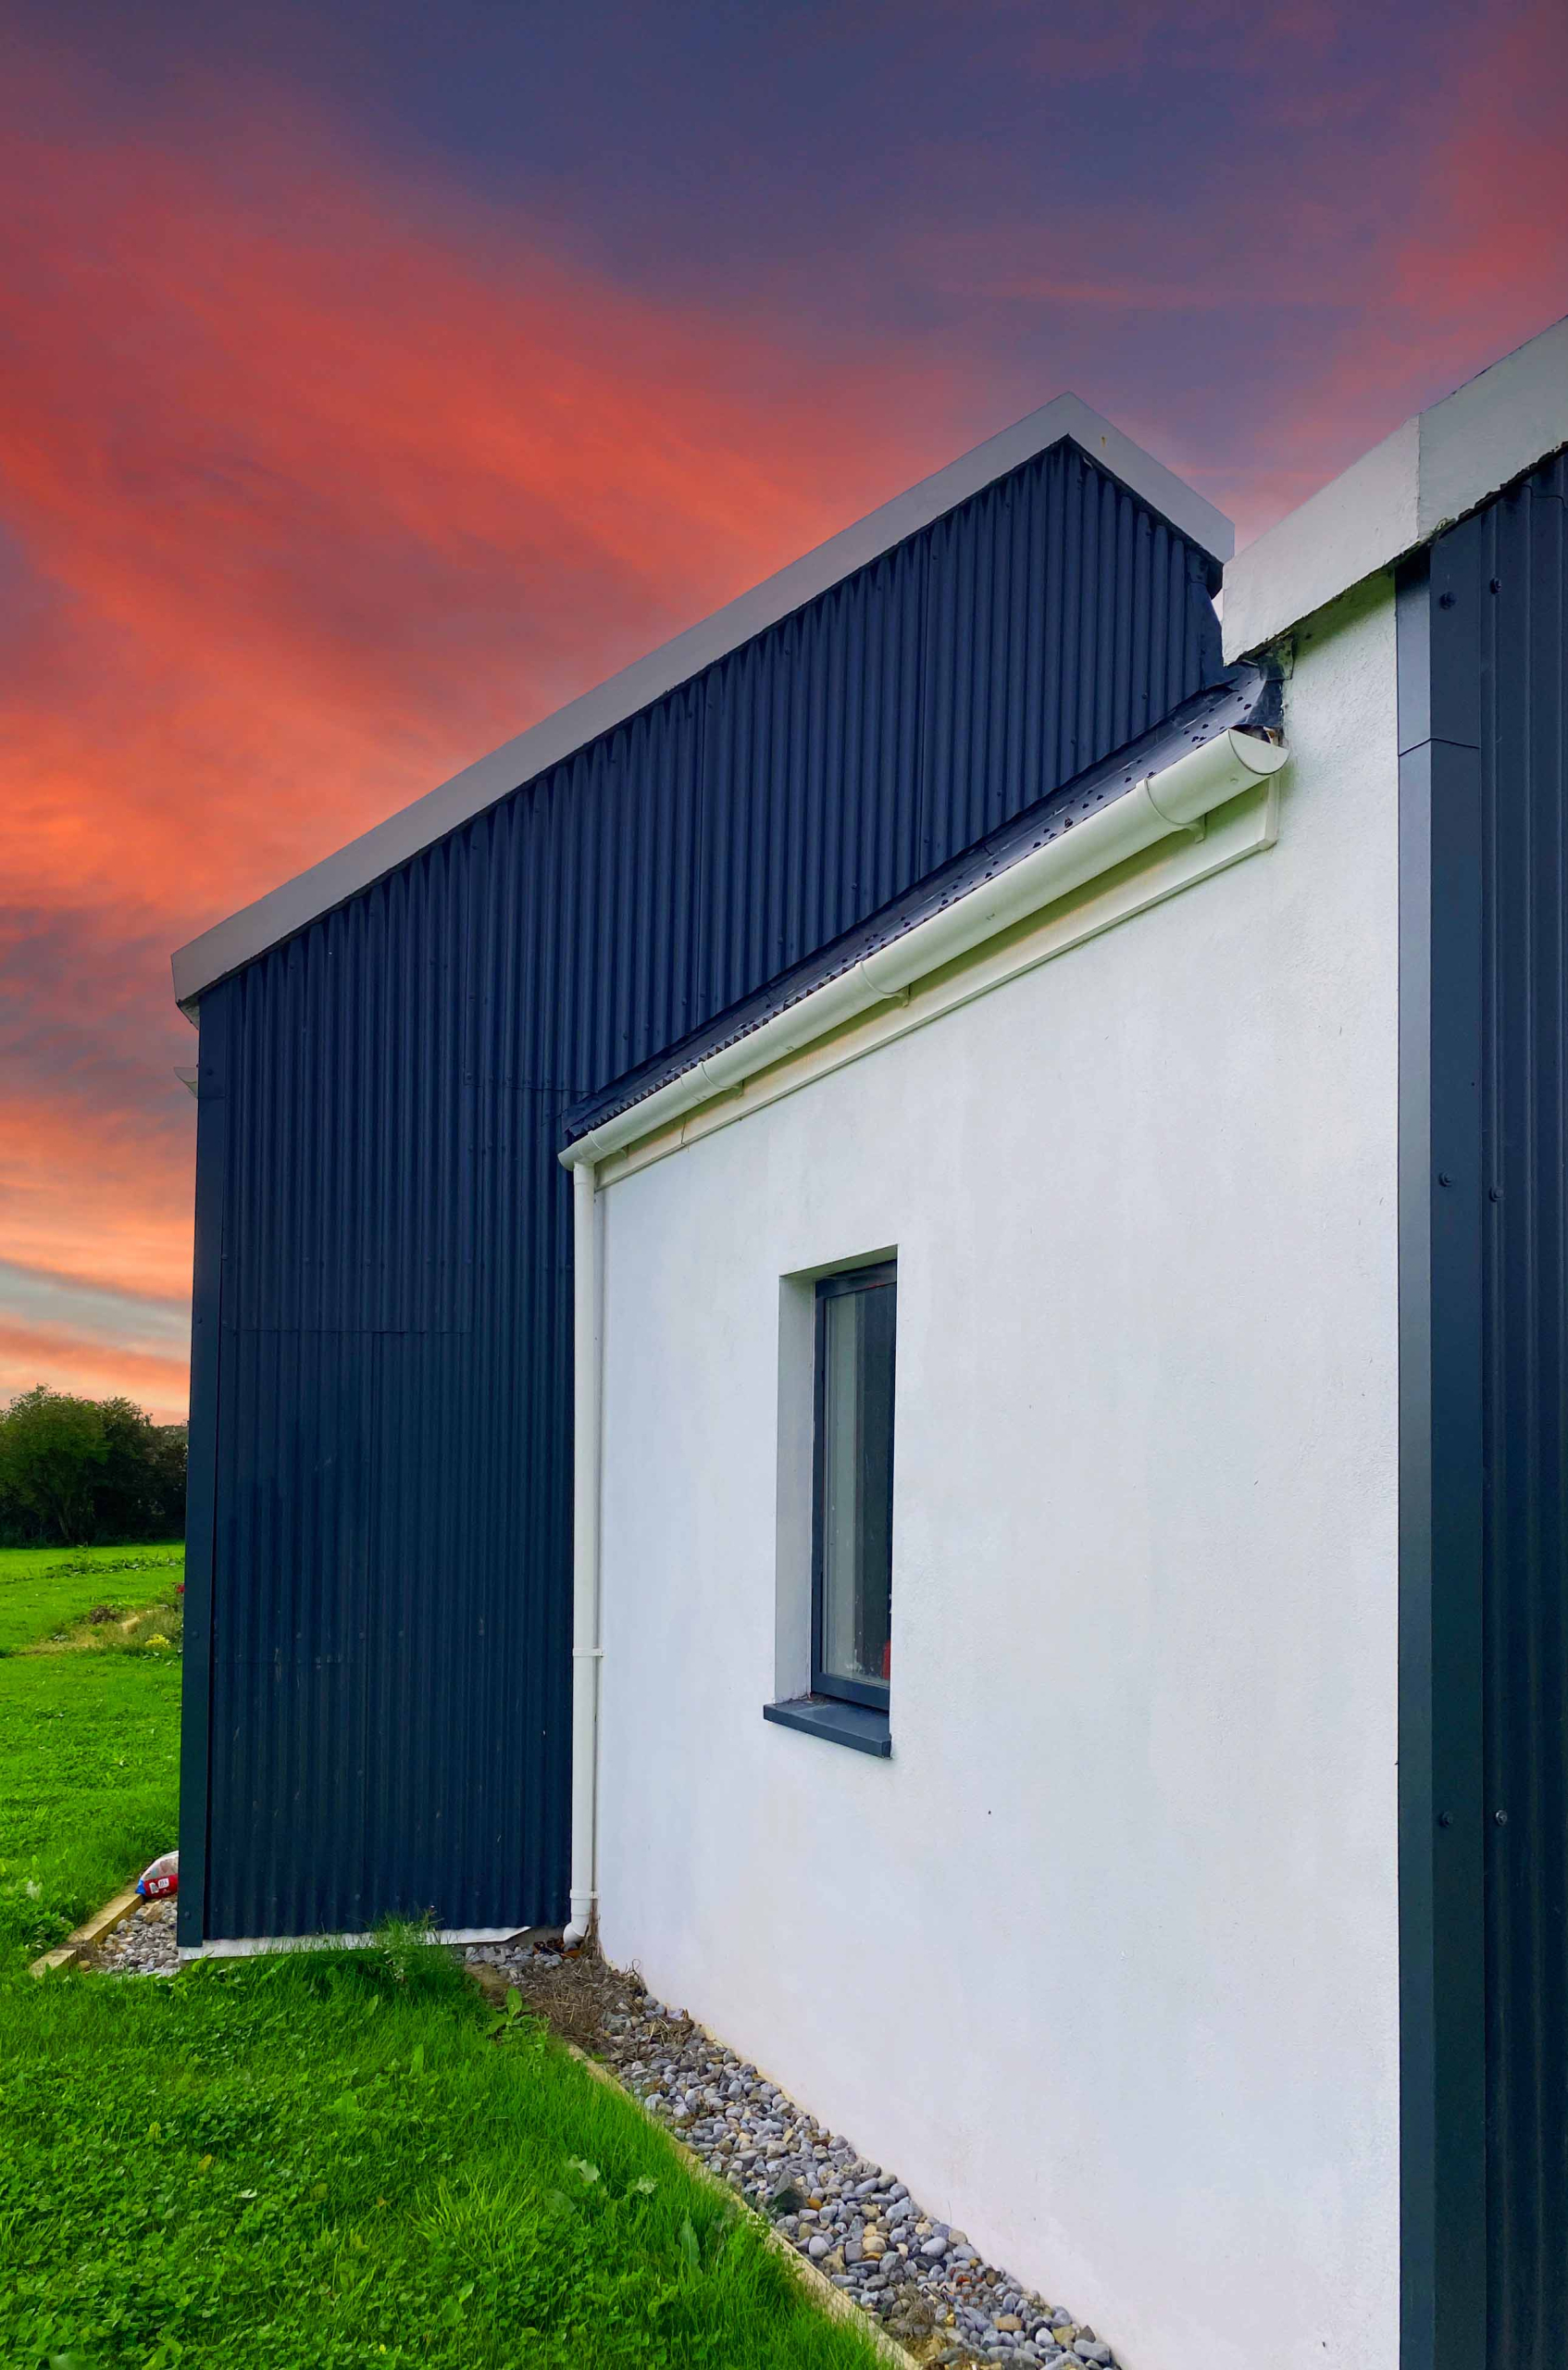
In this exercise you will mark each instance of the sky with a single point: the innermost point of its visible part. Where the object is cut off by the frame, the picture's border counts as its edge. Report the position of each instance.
(375, 377)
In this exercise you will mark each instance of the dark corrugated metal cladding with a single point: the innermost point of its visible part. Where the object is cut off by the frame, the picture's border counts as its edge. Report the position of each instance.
(384, 1244)
(1502, 630)
(1245, 697)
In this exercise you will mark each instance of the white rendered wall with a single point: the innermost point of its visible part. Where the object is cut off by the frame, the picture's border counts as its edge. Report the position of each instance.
(1103, 1960)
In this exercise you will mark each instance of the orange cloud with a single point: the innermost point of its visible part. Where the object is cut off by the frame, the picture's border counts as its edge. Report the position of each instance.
(105, 1193)
(323, 482)
(29, 1356)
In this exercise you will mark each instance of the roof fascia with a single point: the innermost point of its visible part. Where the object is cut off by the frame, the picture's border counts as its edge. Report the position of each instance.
(1246, 698)
(1173, 803)
(256, 927)
(1440, 464)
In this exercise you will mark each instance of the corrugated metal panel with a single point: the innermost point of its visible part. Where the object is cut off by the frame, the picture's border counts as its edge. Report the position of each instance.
(389, 1671)
(1246, 698)
(1500, 636)
(1520, 591)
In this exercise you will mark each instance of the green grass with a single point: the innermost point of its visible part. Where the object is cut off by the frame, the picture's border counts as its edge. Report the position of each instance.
(47, 1588)
(88, 1769)
(327, 2161)
(321, 2160)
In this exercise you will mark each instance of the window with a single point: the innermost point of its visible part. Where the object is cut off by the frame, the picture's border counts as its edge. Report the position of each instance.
(852, 1486)
(834, 1568)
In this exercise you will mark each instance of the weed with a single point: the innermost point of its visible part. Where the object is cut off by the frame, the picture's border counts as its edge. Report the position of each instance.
(43, 1594)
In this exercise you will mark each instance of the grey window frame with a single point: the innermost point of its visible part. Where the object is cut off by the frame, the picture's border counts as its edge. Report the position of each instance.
(882, 1276)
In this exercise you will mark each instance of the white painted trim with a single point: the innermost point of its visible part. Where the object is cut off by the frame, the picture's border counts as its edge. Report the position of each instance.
(340, 876)
(1427, 474)
(1173, 803)
(1244, 826)
(255, 1946)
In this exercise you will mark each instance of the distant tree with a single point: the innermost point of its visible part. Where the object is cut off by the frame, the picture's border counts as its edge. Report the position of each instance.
(129, 1493)
(52, 1451)
(168, 1467)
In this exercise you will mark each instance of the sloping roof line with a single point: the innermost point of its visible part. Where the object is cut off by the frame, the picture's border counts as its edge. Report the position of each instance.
(256, 927)
(1247, 699)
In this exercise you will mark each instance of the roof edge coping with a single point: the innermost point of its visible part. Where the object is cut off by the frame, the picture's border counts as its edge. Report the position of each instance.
(1441, 463)
(256, 927)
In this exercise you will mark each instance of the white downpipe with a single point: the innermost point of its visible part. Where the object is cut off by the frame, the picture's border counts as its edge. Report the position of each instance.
(586, 1649)
(1173, 801)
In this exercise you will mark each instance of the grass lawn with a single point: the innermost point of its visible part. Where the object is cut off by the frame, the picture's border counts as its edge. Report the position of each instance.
(327, 2159)
(89, 1764)
(45, 1588)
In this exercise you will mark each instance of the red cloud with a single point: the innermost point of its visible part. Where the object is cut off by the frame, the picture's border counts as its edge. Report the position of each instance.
(317, 480)
(323, 484)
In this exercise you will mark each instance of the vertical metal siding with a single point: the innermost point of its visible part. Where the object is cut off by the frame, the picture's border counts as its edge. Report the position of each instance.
(385, 1238)
(1520, 594)
(1500, 634)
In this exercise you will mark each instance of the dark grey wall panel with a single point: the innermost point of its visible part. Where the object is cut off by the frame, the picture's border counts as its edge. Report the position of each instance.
(1485, 1861)
(384, 1231)
(1511, 571)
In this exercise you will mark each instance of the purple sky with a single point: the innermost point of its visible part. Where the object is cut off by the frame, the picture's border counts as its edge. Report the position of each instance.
(374, 378)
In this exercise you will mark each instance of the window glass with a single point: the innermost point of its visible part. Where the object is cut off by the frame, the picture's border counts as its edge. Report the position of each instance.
(856, 1322)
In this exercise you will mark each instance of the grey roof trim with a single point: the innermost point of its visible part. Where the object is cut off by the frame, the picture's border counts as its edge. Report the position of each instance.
(1247, 699)
(1445, 461)
(277, 916)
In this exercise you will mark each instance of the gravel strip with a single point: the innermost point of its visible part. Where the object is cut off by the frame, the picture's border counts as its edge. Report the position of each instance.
(924, 2282)
(140, 1944)
(858, 2224)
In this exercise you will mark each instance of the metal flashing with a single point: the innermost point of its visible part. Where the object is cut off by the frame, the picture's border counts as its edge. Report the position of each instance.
(859, 1725)
(1441, 1985)
(230, 944)
(263, 1946)
(1248, 698)
(1434, 469)
(203, 1491)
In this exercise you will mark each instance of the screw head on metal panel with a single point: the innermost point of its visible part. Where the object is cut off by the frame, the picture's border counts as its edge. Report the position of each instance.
(1443, 1177)
(1445, 600)
(1445, 1819)
(1494, 1192)
(1502, 1817)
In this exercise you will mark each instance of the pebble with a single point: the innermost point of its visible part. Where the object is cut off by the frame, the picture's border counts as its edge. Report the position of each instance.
(922, 2281)
(143, 1943)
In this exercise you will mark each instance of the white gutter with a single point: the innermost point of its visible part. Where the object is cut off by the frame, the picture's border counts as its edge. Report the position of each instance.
(586, 1649)
(1161, 807)
(1174, 800)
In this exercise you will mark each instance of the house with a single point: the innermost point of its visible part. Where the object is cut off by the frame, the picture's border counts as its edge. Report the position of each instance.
(945, 1208)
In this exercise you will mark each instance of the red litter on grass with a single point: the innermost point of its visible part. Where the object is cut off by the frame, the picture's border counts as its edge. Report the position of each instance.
(162, 1879)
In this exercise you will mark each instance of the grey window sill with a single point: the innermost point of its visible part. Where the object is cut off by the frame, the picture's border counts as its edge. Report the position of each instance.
(855, 1725)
